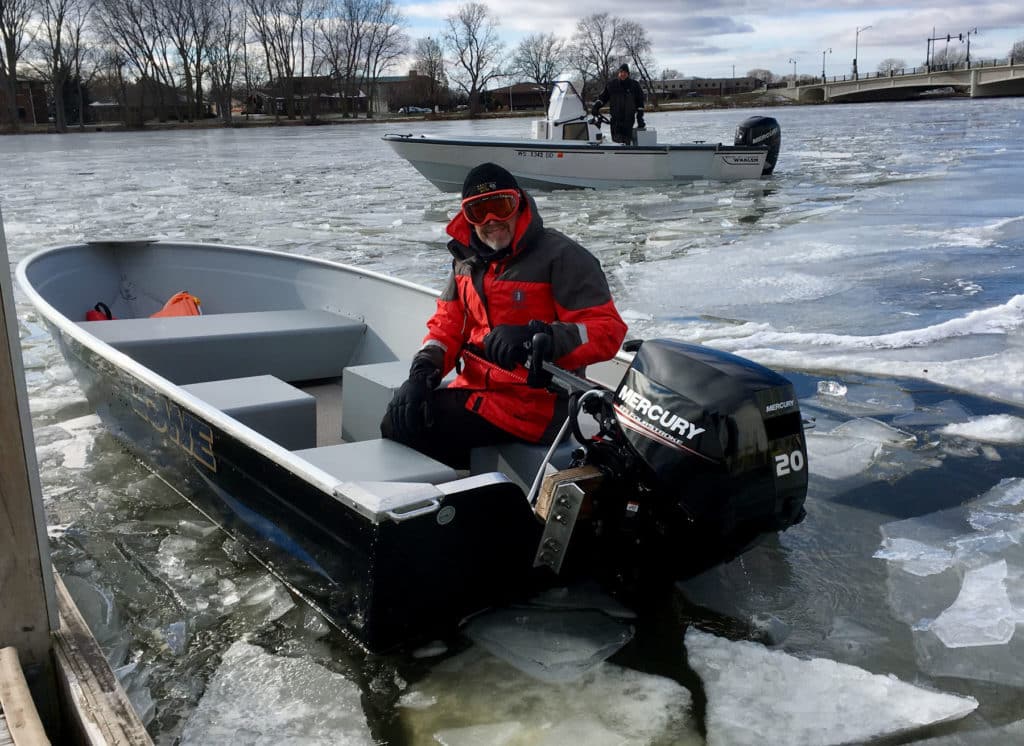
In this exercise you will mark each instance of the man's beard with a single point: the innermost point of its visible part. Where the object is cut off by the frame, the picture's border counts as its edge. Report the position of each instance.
(494, 243)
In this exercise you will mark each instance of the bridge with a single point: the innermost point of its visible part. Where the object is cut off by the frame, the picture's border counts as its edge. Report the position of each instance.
(979, 80)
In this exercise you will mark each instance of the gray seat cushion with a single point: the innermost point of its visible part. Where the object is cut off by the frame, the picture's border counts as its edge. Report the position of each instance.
(377, 460)
(293, 345)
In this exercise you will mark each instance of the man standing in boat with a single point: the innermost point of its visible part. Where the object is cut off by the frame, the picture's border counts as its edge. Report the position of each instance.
(625, 99)
(511, 278)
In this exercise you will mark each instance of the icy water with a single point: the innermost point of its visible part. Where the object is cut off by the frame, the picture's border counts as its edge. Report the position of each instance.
(881, 268)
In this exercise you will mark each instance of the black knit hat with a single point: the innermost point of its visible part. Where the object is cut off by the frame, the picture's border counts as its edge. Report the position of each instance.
(624, 68)
(487, 177)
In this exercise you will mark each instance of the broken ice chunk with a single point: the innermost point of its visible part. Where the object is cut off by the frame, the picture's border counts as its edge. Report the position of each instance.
(551, 645)
(993, 428)
(474, 697)
(981, 614)
(915, 557)
(942, 413)
(838, 457)
(758, 696)
(869, 428)
(265, 700)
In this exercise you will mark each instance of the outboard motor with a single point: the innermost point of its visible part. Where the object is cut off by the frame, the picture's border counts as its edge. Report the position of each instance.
(702, 454)
(759, 130)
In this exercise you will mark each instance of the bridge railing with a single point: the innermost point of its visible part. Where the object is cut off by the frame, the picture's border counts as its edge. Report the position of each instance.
(923, 69)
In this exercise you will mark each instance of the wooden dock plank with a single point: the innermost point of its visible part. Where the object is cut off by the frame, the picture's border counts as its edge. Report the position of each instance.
(104, 715)
(21, 720)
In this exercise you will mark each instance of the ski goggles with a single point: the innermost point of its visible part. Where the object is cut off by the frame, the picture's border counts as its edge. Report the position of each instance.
(500, 205)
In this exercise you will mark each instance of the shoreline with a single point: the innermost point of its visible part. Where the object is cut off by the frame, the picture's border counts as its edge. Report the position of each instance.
(243, 121)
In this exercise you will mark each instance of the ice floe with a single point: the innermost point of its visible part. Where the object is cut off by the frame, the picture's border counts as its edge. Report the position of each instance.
(261, 699)
(994, 428)
(553, 645)
(761, 696)
(955, 578)
(475, 698)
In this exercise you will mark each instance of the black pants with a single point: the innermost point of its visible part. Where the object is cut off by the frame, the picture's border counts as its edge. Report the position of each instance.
(456, 430)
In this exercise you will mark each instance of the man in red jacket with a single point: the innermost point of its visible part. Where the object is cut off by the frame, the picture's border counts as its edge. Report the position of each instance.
(511, 278)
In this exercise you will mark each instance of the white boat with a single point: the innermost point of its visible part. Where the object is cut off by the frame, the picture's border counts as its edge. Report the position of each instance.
(264, 412)
(568, 151)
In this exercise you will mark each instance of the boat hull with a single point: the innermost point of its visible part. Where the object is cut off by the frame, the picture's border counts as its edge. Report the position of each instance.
(385, 577)
(539, 164)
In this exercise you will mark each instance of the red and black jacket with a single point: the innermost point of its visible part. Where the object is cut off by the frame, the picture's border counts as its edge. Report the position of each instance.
(544, 276)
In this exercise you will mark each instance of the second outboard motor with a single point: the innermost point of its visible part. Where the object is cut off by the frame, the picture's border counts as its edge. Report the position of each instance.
(760, 130)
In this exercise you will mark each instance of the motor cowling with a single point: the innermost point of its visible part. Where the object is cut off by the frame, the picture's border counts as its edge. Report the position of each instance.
(720, 440)
(760, 130)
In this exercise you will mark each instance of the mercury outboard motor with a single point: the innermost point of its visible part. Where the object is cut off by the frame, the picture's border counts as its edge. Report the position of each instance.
(759, 130)
(702, 454)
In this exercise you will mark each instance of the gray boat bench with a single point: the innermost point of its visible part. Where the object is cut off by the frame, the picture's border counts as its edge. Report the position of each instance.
(293, 345)
(377, 460)
(266, 404)
(366, 391)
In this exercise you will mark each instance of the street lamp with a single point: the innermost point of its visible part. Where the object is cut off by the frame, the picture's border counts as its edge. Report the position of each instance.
(823, 53)
(794, 61)
(975, 32)
(856, 43)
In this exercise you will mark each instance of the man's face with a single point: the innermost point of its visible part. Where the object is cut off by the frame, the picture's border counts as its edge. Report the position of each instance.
(623, 75)
(497, 235)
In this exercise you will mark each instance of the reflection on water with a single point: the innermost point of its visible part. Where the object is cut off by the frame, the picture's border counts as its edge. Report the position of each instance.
(860, 263)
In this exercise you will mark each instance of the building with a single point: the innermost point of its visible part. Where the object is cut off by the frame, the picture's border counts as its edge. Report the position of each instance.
(668, 90)
(521, 96)
(392, 92)
(31, 99)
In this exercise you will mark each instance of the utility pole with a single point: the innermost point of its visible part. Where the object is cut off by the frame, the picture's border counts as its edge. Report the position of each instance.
(794, 61)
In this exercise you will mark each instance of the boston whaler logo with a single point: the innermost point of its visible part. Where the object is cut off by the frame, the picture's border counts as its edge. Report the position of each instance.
(639, 413)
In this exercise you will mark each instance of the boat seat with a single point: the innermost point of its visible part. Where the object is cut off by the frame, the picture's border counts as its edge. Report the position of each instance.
(293, 345)
(520, 461)
(267, 404)
(377, 460)
(366, 391)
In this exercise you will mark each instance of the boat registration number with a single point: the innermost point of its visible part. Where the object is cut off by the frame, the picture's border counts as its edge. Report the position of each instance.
(539, 154)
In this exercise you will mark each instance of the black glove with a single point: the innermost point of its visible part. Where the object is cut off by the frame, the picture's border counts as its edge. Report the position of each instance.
(506, 344)
(595, 109)
(411, 409)
(640, 124)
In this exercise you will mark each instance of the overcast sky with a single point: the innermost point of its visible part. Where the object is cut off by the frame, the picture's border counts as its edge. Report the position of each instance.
(711, 38)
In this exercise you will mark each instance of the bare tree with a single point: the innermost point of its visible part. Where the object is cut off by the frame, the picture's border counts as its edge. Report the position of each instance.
(429, 60)
(759, 73)
(471, 35)
(670, 73)
(595, 46)
(539, 57)
(948, 57)
(385, 44)
(1016, 52)
(15, 16)
(890, 64)
(129, 26)
(187, 25)
(58, 45)
(344, 45)
(226, 53)
(276, 25)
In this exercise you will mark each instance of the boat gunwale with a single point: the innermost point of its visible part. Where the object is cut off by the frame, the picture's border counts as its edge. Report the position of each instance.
(264, 446)
(582, 146)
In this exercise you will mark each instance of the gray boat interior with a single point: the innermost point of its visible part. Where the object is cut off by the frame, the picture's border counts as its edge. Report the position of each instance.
(306, 353)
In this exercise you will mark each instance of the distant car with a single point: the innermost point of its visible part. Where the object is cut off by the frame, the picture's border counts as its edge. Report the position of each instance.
(413, 110)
